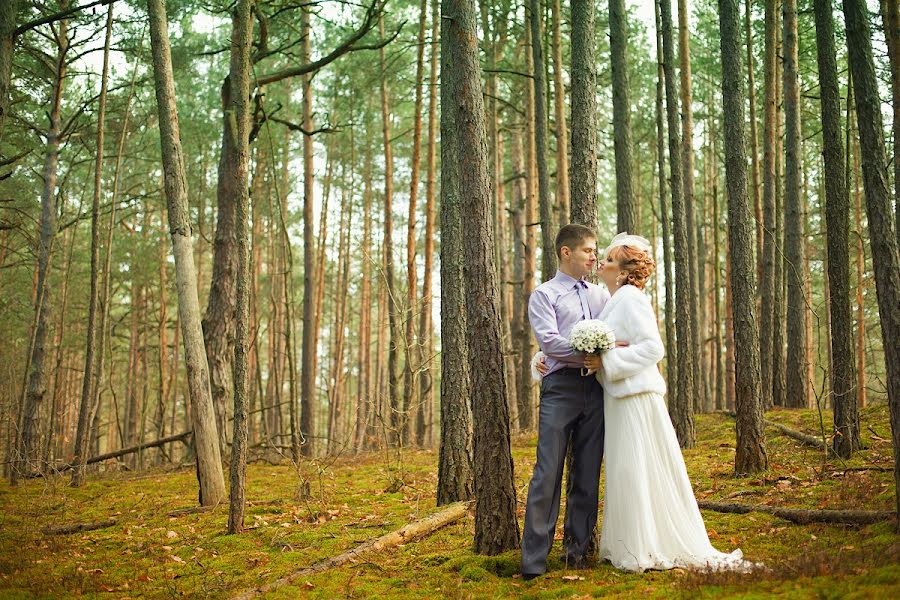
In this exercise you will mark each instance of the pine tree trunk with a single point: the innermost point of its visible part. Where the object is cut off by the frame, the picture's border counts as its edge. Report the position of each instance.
(8, 12)
(681, 409)
(455, 468)
(796, 370)
(523, 275)
(562, 130)
(853, 148)
(36, 372)
(363, 429)
(87, 390)
(239, 111)
(750, 455)
(583, 148)
(548, 226)
(206, 441)
(779, 384)
(398, 418)
(754, 140)
(890, 15)
(767, 261)
(671, 347)
(308, 348)
(496, 529)
(882, 236)
(618, 45)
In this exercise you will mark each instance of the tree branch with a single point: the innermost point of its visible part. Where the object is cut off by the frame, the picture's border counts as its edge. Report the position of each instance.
(57, 16)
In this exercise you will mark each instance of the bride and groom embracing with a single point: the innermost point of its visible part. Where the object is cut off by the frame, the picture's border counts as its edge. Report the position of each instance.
(609, 403)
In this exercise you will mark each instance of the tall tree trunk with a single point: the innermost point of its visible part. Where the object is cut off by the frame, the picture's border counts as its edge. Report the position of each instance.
(754, 140)
(796, 370)
(853, 148)
(837, 215)
(562, 130)
(548, 226)
(671, 348)
(779, 384)
(750, 455)
(496, 529)
(767, 263)
(398, 416)
(8, 13)
(523, 275)
(366, 397)
(530, 213)
(239, 115)
(583, 149)
(335, 405)
(206, 441)
(36, 372)
(87, 389)
(681, 402)
(882, 236)
(455, 469)
(411, 397)
(890, 15)
(308, 348)
(618, 45)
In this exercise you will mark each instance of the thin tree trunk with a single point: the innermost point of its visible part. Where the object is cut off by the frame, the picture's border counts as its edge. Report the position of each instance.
(583, 149)
(882, 236)
(796, 370)
(754, 141)
(209, 462)
(308, 351)
(562, 130)
(366, 397)
(859, 247)
(36, 371)
(681, 401)
(779, 384)
(87, 389)
(398, 418)
(890, 15)
(548, 226)
(8, 12)
(671, 347)
(618, 45)
(523, 275)
(750, 454)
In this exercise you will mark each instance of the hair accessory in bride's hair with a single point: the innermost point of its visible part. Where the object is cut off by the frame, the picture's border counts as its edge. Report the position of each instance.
(626, 239)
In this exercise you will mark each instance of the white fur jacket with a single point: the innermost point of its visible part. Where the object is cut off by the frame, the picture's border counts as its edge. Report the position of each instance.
(632, 369)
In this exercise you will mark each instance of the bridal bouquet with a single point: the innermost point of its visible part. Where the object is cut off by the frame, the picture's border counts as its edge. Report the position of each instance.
(592, 336)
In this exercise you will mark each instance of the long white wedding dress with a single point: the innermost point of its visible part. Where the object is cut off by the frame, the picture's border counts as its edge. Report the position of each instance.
(650, 516)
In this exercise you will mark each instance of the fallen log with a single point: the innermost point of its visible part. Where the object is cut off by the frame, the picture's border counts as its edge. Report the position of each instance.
(78, 527)
(803, 516)
(407, 533)
(803, 438)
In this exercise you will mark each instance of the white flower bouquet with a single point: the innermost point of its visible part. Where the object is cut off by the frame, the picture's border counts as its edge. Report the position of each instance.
(592, 336)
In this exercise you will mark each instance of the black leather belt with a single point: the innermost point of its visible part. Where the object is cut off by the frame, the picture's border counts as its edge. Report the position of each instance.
(573, 371)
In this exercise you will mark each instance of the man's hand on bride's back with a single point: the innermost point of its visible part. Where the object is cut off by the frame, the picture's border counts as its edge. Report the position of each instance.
(541, 366)
(621, 344)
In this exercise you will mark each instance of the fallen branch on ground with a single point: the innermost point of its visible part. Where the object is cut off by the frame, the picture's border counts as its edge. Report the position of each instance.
(803, 438)
(803, 516)
(407, 533)
(78, 527)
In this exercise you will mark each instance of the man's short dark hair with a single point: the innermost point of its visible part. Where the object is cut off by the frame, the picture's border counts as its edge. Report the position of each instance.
(572, 236)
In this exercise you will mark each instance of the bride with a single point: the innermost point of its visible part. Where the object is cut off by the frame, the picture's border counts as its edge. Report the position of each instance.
(650, 516)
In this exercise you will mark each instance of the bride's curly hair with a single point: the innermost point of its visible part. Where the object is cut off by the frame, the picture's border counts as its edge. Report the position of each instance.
(639, 264)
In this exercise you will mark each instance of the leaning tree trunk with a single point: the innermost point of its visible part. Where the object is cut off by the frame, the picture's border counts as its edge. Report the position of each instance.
(882, 235)
(583, 149)
(796, 370)
(85, 409)
(206, 441)
(455, 471)
(548, 246)
(837, 215)
(496, 529)
(681, 401)
(36, 388)
(751, 442)
(618, 45)
(890, 14)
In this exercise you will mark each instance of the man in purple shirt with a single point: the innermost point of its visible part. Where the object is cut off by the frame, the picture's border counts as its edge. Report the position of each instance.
(571, 404)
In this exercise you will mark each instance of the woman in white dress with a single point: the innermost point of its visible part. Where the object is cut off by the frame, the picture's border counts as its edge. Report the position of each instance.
(650, 516)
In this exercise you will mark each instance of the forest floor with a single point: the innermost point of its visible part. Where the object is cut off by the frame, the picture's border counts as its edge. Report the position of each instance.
(149, 553)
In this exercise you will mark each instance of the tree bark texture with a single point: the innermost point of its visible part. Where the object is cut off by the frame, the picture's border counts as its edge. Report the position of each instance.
(618, 45)
(496, 528)
(583, 149)
(882, 236)
(751, 446)
(206, 440)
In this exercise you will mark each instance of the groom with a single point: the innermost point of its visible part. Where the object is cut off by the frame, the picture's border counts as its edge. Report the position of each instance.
(571, 402)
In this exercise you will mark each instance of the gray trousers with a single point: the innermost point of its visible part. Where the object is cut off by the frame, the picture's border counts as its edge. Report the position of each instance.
(570, 403)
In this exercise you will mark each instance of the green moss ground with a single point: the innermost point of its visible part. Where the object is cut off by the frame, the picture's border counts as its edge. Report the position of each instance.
(149, 554)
